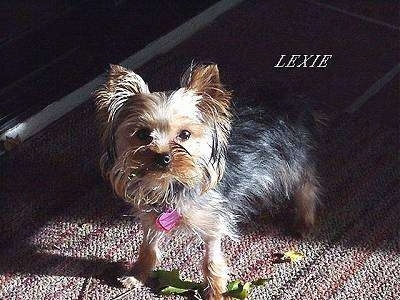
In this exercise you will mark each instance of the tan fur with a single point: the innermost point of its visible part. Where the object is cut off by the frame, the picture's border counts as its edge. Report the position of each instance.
(198, 106)
(215, 269)
(164, 152)
(149, 253)
(147, 260)
(305, 199)
(203, 220)
(201, 106)
(215, 107)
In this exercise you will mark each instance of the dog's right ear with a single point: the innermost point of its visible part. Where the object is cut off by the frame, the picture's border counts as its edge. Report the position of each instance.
(121, 85)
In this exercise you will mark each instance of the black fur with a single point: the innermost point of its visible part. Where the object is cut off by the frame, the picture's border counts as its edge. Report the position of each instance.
(270, 154)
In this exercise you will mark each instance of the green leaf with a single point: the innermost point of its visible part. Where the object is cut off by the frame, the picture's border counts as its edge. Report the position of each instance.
(237, 290)
(233, 285)
(169, 283)
(293, 256)
(290, 256)
(171, 290)
(246, 290)
(260, 281)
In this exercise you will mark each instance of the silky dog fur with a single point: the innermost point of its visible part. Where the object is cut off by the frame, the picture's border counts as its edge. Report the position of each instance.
(190, 151)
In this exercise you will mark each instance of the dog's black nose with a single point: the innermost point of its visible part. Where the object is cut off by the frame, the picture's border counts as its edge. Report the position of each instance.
(163, 159)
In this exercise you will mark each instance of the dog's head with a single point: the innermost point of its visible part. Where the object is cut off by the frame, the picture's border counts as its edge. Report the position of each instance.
(158, 144)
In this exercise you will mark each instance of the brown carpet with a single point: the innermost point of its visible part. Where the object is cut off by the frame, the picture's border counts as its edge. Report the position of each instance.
(63, 235)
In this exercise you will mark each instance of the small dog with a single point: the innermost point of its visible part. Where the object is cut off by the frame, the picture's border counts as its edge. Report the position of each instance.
(187, 163)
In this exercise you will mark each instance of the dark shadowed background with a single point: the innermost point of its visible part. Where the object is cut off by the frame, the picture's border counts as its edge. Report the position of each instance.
(63, 235)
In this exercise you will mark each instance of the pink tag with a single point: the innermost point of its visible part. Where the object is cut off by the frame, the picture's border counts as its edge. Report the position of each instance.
(168, 220)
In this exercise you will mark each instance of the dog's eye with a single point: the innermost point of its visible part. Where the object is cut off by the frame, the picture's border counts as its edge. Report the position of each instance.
(184, 135)
(144, 135)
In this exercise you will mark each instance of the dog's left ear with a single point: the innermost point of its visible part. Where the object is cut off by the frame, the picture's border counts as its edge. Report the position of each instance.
(204, 79)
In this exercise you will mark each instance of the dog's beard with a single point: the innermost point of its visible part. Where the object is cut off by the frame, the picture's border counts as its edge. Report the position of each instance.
(141, 183)
(149, 191)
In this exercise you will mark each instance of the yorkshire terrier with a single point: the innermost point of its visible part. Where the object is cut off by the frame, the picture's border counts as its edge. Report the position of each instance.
(188, 162)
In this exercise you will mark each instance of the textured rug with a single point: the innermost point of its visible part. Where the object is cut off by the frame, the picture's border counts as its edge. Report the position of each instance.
(64, 236)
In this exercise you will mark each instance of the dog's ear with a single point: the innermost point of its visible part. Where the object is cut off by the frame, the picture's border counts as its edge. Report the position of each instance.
(215, 106)
(204, 79)
(120, 87)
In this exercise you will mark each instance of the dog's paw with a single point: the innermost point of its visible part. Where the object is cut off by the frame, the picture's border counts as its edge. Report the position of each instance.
(130, 282)
(213, 296)
(210, 294)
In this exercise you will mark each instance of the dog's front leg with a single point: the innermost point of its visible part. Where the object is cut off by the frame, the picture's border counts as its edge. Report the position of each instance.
(215, 269)
(149, 256)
